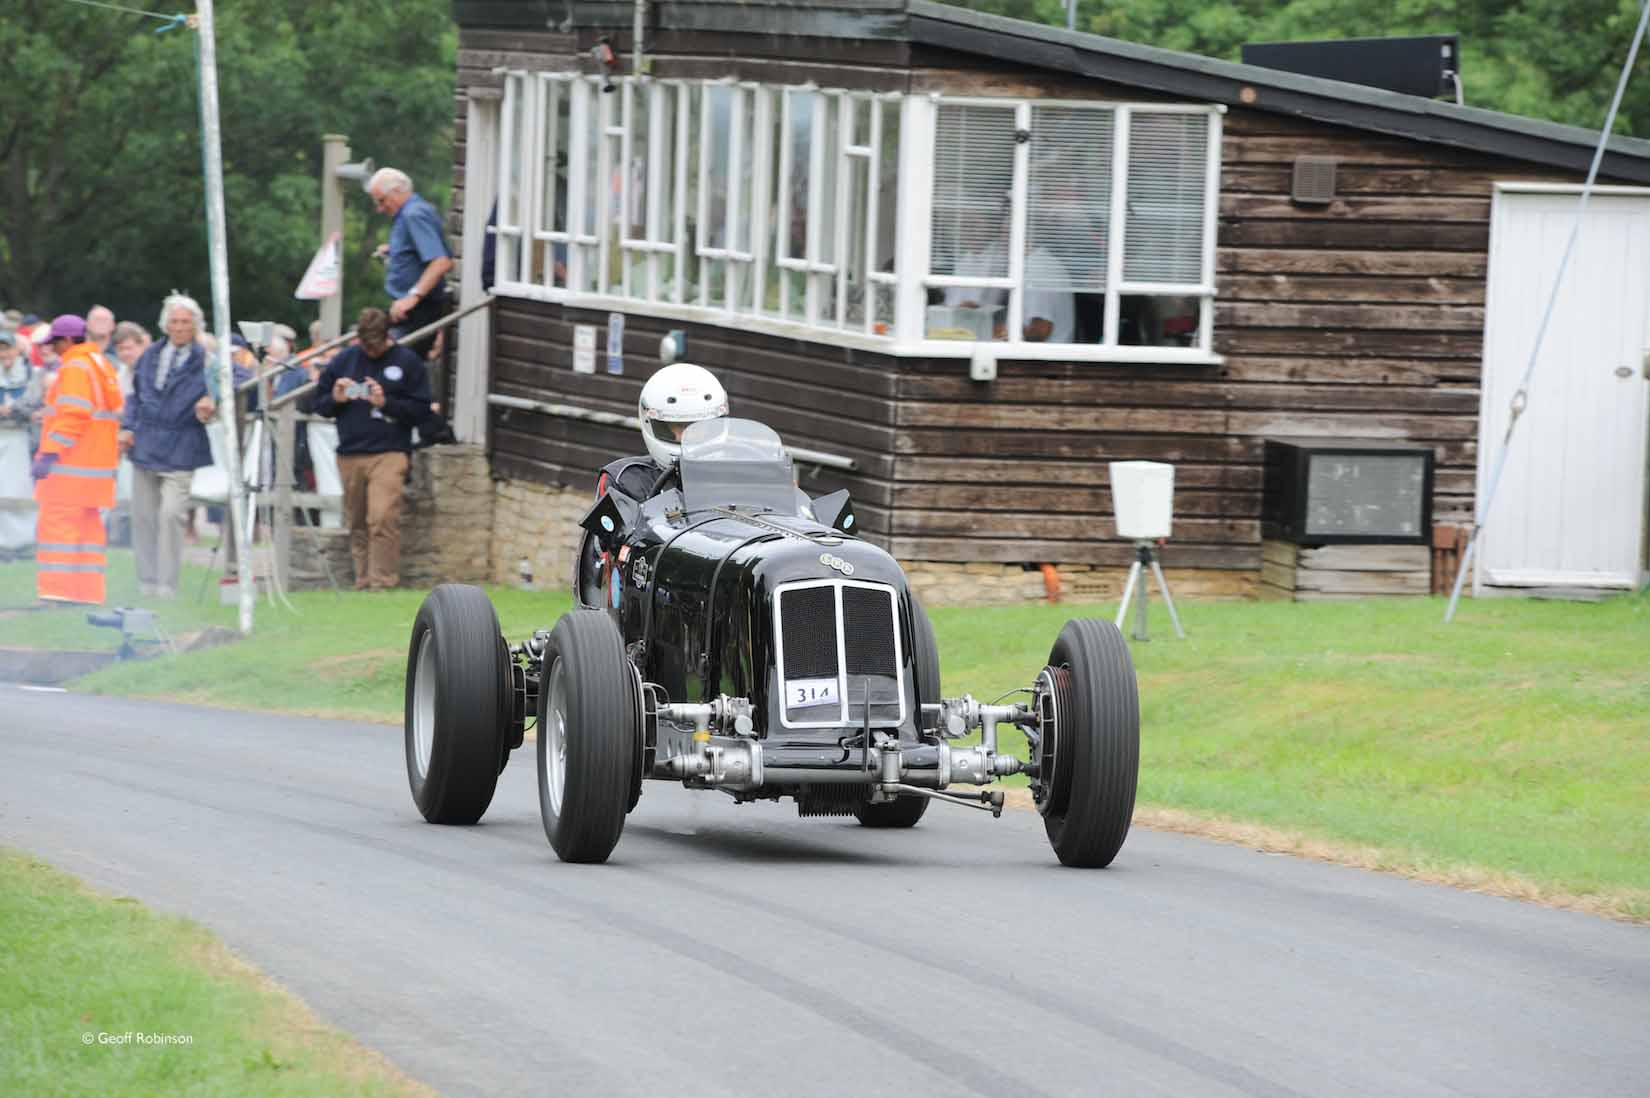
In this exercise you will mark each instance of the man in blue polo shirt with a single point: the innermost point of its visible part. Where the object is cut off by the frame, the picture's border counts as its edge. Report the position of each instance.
(417, 255)
(377, 392)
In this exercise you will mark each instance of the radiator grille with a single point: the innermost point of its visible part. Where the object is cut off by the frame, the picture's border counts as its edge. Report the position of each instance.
(808, 625)
(817, 621)
(868, 631)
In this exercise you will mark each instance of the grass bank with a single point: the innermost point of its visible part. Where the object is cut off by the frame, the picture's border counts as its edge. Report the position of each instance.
(99, 996)
(1511, 748)
(332, 655)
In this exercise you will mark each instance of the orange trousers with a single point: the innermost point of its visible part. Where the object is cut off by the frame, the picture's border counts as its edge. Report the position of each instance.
(68, 555)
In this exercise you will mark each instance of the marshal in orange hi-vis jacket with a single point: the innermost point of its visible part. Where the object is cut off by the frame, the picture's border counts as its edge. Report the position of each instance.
(82, 422)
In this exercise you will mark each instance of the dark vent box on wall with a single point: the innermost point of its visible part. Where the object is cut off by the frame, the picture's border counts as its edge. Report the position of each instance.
(1321, 491)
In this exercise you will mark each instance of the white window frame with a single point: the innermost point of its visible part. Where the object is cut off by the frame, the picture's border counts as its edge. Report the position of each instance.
(509, 232)
(919, 161)
(642, 286)
(665, 105)
(547, 138)
(738, 264)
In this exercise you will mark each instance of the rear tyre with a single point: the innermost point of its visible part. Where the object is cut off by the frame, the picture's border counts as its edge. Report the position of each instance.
(905, 811)
(1097, 743)
(456, 709)
(587, 737)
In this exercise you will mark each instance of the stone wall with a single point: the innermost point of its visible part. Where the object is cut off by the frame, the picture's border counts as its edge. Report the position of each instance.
(460, 525)
(539, 525)
(977, 583)
(446, 526)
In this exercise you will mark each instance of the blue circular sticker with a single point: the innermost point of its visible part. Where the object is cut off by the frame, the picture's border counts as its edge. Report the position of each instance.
(393, 373)
(607, 524)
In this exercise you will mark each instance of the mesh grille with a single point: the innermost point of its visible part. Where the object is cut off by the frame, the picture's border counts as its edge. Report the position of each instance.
(808, 619)
(868, 631)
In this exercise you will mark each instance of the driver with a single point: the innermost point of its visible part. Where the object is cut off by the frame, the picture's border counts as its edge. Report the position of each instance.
(673, 397)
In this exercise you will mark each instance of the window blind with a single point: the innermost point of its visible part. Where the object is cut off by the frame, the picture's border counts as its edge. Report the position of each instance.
(1168, 169)
(973, 178)
(1069, 204)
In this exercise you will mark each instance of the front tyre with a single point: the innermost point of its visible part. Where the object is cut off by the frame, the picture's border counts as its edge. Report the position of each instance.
(455, 709)
(587, 738)
(1090, 800)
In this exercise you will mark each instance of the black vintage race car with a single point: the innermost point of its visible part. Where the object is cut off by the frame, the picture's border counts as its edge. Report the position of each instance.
(733, 634)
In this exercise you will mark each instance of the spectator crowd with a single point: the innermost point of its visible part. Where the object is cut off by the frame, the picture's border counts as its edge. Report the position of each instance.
(109, 434)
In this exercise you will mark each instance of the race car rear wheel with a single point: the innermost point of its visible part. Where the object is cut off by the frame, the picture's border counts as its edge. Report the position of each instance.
(1097, 743)
(905, 811)
(587, 736)
(456, 711)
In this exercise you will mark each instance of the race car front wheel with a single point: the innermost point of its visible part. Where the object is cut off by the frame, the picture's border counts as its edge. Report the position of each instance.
(456, 710)
(1088, 801)
(587, 736)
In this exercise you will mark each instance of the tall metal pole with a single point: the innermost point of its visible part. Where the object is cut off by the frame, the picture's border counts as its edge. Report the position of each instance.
(334, 151)
(218, 254)
(638, 46)
(1071, 14)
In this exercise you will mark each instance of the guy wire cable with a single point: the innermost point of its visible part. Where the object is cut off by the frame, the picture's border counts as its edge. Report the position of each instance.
(1521, 397)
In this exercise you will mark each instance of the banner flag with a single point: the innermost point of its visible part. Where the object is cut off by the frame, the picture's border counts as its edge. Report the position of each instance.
(321, 279)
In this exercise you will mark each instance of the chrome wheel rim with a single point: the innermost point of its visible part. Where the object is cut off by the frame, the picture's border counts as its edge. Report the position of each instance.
(555, 733)
(424, 704)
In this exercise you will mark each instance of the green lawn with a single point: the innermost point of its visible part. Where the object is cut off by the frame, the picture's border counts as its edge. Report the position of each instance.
(340, 655)
(1516, 740)
(100, 997)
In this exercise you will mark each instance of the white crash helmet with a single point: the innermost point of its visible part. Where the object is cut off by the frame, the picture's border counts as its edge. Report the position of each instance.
(677, 395)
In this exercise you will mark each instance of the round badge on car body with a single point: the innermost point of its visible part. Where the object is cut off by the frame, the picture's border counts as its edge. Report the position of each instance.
(831, 560)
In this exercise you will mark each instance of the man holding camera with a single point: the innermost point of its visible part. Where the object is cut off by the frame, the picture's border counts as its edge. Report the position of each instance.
(378, 392)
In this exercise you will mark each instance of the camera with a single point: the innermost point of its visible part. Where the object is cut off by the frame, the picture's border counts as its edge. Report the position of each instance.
(355, 390)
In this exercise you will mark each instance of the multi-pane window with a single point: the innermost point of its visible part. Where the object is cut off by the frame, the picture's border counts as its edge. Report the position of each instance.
(925, 225)
(1078, 224)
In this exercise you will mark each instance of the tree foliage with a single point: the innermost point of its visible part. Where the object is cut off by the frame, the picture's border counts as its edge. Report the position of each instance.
(101, 193)
(100, 158)
(1552, 59)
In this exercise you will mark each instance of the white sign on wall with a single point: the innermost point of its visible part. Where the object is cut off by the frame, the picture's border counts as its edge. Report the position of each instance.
(584, 348)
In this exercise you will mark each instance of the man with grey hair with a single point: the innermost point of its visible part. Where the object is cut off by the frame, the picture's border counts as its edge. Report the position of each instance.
(163, 430)
(417, 257)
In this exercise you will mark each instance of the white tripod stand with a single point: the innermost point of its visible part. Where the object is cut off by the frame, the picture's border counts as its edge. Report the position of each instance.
(1144, 555)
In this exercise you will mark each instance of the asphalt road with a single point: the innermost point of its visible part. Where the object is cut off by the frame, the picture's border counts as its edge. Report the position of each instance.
(733, 950)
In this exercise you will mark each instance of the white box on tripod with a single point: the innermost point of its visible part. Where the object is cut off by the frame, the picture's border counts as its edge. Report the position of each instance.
(1142, 495)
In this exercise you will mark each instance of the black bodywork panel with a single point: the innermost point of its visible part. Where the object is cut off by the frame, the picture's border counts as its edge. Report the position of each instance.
(696, 605)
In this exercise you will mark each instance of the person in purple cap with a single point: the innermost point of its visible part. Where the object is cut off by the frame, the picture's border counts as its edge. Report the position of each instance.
(74, 472)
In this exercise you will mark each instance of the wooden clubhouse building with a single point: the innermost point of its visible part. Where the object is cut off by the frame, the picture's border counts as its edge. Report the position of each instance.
(858, 212)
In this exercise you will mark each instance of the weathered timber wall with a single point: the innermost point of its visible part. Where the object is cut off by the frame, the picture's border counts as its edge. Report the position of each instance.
(824, 398)
(1362, 318)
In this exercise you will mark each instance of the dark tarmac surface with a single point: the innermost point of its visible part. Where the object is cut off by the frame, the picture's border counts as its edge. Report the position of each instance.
(731, 950)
